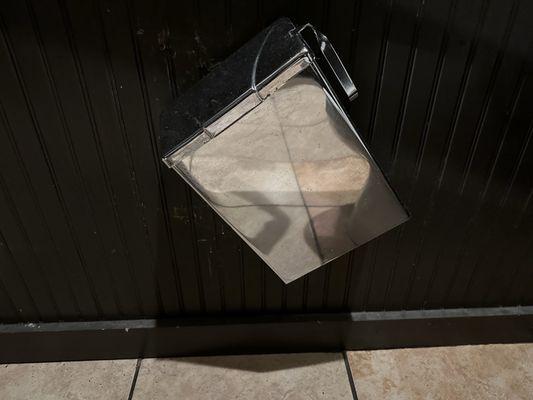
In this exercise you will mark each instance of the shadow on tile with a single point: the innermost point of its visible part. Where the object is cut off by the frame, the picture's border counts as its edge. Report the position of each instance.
(301, 376)
(263, 362)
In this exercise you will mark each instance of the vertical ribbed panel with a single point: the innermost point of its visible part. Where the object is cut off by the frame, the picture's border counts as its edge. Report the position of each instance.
(93, 226)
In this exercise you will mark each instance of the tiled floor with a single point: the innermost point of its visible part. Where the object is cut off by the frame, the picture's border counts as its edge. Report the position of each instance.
(465, 372)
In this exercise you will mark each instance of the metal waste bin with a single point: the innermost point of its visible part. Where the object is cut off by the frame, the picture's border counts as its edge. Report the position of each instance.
(265, 142)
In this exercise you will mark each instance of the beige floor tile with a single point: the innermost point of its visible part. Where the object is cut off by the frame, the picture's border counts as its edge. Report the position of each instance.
(279, 376)
(67, 380)
(463, 372)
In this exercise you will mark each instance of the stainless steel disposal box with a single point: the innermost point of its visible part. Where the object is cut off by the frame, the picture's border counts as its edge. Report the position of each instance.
(265, 141)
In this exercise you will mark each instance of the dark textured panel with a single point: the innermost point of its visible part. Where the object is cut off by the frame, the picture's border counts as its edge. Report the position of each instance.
(92, 225)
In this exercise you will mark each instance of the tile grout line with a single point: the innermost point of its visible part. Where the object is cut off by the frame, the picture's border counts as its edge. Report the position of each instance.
(134, 380)
(350, 375)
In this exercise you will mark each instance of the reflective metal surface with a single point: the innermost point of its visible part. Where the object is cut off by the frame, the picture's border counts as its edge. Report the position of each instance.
(293, 179)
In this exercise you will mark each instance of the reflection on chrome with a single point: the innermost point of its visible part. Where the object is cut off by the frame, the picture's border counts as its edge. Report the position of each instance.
(294, 180)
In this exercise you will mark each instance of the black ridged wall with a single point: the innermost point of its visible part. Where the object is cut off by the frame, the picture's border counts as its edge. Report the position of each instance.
(93, 226)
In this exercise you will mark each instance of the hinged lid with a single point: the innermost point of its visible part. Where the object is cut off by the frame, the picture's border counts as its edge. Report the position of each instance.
(233, 80)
